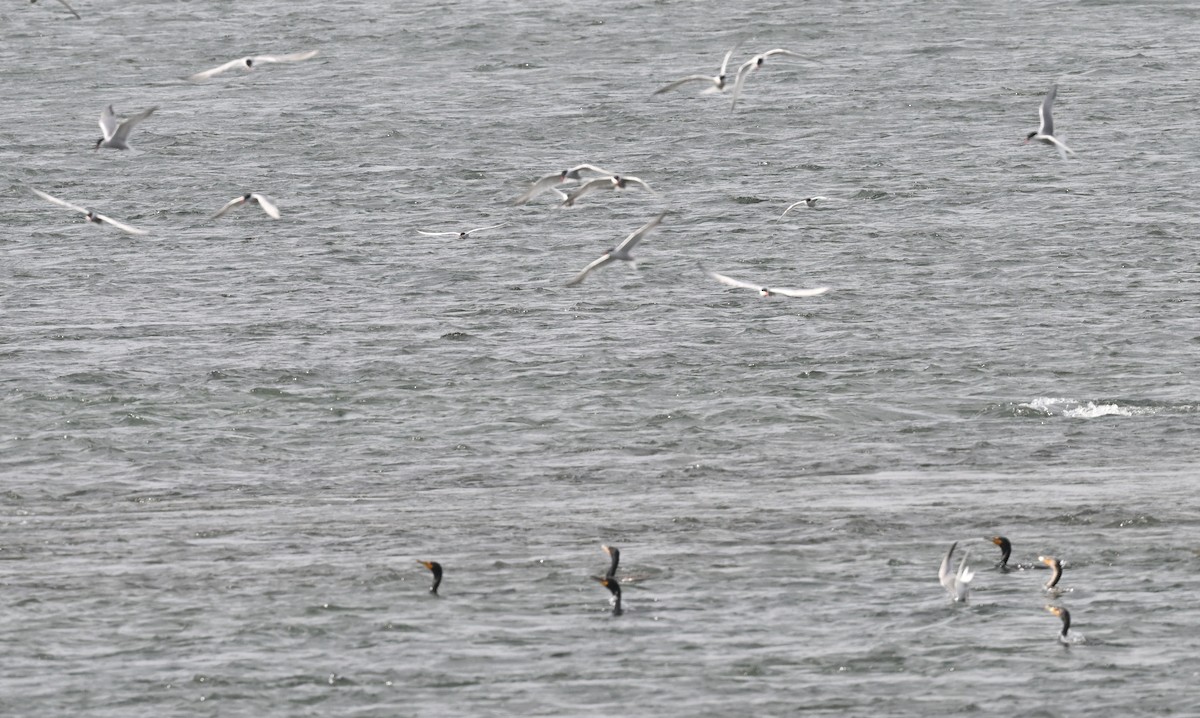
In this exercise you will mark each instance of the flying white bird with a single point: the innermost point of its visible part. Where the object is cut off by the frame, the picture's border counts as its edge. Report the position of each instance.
(460, 235)
(716, 84)
(764, 291)
(958, 584)
(1045, 132)
(248, 63)
(116, 136)
(89, 214)
(621, 252)
(552, 180)
(810, 202)
(616, 182)
(753, 64)
(263, 201)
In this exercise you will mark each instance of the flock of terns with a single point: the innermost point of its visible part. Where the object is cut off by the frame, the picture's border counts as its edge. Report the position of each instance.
(584, 178)
(116, 137)
(956, 582)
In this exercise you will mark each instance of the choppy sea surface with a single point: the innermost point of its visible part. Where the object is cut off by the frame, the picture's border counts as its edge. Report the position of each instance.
(224, 446)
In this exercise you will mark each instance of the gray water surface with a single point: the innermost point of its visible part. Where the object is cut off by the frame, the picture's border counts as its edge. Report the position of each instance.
(224, 446)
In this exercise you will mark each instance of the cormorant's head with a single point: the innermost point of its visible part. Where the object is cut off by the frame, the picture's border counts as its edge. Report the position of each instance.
(436, 568)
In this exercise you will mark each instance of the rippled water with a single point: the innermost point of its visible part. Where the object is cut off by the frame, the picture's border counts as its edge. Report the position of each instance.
(224, 446)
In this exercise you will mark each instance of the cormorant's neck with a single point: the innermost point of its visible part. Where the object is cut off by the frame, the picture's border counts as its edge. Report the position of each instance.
(1057, 568)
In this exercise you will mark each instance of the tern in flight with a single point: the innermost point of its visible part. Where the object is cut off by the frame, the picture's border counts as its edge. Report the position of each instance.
(1045, 132)
(621, 252)
(753, 64)
(248, 63)
(89, 214)
(717, 84)
(460, 235)
(810, 202)
(116, 135)
(262, 200)
(765, 291)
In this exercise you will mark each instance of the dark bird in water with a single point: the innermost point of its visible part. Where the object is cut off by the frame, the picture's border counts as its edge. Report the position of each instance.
(615, 554)
(1065, 615)
(437, 574)
(1005, 551)
(614, 588)
(1055, 566)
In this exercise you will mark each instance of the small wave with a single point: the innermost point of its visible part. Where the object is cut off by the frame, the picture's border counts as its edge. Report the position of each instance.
(1076, 409)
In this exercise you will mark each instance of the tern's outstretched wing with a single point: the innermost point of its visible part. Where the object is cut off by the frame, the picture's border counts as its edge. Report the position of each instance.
(800, 292)
(636, 237)
(603, 260)
(1047, 127)
(119, 225)
(59, 202)
(123, 129)
(267, 205)
(218, 70)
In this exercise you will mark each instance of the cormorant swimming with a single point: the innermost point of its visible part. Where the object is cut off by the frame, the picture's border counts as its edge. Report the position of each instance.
(1065, 615)
(1055, 566)
(437, 574)
(1005, 551)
